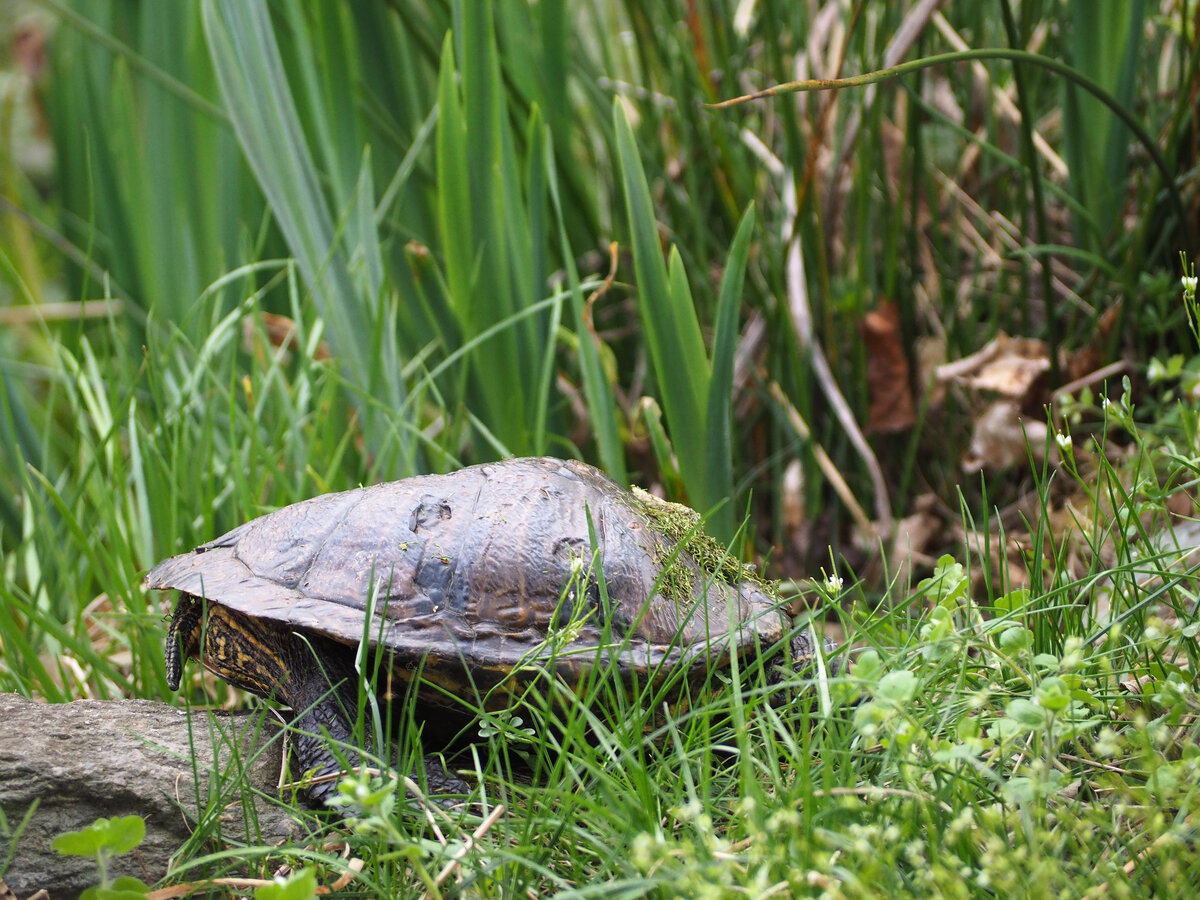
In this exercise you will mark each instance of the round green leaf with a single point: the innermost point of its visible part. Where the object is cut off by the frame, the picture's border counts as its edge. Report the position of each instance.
(300, 885)
(1015, 639)
(898, 687)
(85, 842)
(125, 833)
(868, 666)
(1027, 713)
(1053, 694)
(123, 888)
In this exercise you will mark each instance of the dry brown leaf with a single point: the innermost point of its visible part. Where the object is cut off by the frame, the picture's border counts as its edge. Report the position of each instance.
(792, 498)
(1003, 438)
(280, 332)
(1007, 366)
(1182, 504)
(913, 538)
(888, 384)
(29, 49)
(914, 533)
(353, 868)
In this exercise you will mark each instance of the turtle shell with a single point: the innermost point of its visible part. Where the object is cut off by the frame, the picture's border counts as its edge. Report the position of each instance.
(485, 571)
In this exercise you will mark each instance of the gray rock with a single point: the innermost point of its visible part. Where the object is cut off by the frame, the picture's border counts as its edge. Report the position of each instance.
(90, 758)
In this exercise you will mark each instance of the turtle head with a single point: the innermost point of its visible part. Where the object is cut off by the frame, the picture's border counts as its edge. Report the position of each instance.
(804, 652)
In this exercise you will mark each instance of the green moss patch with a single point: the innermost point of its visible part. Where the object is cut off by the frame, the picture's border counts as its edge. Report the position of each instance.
(681, 525)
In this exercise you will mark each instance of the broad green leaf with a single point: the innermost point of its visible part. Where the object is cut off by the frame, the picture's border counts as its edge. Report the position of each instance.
(868, 667)
(899, 687)
(1053, 694)
(947, 585)
(126, 833)
(85, 842)
(125, 887)
(1015, 639)
(114, 836)
(1026, 712)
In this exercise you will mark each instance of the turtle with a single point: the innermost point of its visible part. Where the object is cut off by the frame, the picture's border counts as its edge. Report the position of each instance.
(472, 584)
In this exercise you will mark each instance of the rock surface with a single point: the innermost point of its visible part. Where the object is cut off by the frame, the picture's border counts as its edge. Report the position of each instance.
(91, 758)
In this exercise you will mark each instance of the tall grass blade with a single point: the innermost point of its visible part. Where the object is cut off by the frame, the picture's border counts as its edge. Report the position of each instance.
(151, 186)
(455, 220)
(18, 442)
(672, 331)
(718, 420)
(260, 104)
(1105, 45)
(597, 388)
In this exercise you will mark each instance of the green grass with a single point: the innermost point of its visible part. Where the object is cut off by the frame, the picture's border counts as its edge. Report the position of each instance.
(428, 192)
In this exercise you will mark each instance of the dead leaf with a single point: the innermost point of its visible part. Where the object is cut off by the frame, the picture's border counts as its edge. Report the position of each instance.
(1182, 504)
(792, 502)
(1007, 366)
(915, 533)
(914, 537)
(1003, 438)
(888, 385)
(29, 51)
(280, 332)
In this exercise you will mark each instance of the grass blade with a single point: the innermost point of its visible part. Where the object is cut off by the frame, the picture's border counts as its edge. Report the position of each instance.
(597, 389)
(665, 307)
(259, 99)
(718, 421)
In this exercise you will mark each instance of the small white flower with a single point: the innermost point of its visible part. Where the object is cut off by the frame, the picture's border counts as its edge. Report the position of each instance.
(1189, 284)
(1104, 403)
(1064, 442)
(833, 584)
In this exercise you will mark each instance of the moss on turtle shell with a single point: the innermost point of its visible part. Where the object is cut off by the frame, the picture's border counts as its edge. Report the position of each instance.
(681, 525)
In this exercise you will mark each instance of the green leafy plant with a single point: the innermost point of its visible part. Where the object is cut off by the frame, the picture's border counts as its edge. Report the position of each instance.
(299, 885)
(102, 840)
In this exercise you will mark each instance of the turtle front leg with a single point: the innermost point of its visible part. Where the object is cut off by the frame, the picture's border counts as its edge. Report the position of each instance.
(311, 674)
(327, 715)
(321, 709)
(330, 714)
